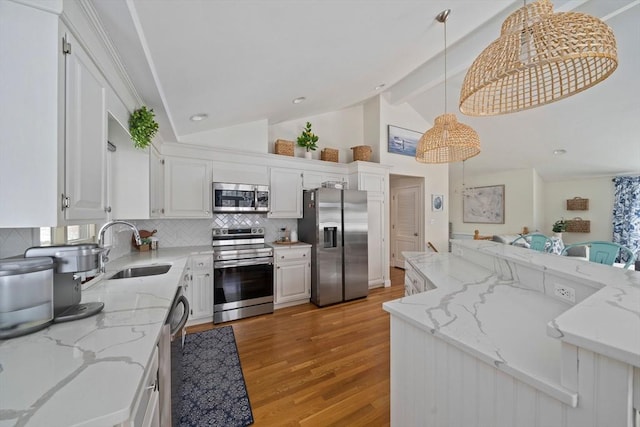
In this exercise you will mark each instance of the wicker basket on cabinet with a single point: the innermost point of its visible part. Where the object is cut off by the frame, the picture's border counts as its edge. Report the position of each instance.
(361, 152)
(284, 147)
(329, 155)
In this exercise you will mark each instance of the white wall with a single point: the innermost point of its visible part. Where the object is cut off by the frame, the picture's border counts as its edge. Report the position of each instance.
(519, 201)
(599, 191)
(250, 136)
(341, 130)
(436, 177)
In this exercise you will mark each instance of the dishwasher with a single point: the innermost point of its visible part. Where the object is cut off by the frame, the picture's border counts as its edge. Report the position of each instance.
(170, 359)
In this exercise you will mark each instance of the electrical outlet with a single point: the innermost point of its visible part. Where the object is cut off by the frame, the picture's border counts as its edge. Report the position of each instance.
(565, 292)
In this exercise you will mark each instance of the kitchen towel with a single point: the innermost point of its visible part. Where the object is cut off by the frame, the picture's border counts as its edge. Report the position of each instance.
(213, 390)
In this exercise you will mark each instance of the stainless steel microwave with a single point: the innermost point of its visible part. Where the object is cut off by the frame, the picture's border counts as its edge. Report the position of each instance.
(246, 198)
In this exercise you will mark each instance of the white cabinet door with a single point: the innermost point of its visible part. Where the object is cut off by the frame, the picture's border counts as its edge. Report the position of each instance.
(85, 137)
(285, 197)
(201, 289)
(187, 188)
(292, 274)
(376, 237)
(156, 183)
(128, 175)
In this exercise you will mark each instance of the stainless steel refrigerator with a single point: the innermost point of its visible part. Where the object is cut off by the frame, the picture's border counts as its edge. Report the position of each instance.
(335, 223)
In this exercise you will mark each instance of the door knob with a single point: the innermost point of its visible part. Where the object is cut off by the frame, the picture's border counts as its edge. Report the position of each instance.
(415, 234)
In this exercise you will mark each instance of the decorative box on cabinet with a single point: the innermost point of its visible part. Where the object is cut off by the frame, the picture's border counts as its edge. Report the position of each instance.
(292, 275)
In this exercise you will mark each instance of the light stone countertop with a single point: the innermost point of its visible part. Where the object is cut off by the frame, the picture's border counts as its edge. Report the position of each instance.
(488, 313)
(297, 244)
(88, 372)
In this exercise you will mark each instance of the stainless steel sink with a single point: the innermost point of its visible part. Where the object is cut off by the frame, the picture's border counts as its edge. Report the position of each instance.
(141, 271)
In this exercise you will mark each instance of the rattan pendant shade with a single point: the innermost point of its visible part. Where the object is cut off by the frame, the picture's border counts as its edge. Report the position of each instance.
(448, 140)
(540, 57)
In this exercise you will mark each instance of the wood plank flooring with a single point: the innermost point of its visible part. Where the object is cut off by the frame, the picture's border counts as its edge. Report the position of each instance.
(310, 366)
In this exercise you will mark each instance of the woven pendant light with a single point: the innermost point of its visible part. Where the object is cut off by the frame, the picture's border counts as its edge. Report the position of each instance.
(540, 57)
(448, 140)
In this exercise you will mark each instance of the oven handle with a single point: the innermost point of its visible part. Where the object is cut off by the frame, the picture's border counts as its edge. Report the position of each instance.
(243, 262)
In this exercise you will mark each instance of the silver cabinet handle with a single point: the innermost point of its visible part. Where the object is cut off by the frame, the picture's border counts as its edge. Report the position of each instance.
(152, 386)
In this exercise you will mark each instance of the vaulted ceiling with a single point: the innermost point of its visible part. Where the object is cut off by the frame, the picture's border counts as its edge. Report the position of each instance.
(245, 60)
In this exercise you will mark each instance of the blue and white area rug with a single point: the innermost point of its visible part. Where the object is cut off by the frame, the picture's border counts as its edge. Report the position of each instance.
(213, 391)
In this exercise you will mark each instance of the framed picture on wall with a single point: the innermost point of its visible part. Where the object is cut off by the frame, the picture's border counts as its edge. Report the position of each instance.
(484, 205)
(437, 202)
(402, 141)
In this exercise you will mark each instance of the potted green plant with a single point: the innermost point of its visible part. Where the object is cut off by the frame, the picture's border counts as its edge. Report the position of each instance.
(559, 226)
(142, 126)
(308, 139)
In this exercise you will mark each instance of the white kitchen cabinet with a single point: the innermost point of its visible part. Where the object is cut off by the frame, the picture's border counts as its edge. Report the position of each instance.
(84, 194)
(200, 289)
(285, 197)
(146, 412)
(292, 275)
(156, 183)
(187, 188)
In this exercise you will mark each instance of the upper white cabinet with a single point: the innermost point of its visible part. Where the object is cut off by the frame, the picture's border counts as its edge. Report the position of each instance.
(84, 194)
(187, 192)
(285, 197)
(156, 183)
(29, 128)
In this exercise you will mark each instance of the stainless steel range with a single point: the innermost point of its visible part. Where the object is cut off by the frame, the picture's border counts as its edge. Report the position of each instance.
(243, 274)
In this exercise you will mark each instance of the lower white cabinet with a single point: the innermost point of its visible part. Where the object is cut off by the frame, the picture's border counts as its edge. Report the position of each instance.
(415, 282)
(146, 412)
(292, 274)
(199, 289)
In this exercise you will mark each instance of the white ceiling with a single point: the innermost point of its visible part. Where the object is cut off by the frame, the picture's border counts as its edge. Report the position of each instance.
(245, 60)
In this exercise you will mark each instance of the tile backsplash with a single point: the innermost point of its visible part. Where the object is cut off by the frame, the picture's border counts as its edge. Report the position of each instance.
(14, 241)
(171, 232)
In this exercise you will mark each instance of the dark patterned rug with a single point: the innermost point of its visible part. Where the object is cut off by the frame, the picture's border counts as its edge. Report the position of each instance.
(213, 391)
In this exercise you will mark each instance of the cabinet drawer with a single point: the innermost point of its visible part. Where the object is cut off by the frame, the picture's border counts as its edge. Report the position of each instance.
(202, 262)
(285, 255)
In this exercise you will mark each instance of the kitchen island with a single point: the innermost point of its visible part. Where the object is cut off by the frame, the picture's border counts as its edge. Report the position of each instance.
(494, 344)
(90, 372)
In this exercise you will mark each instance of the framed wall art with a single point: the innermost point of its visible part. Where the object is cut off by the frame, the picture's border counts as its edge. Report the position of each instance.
(402, 141)
(437, 202)
(483, 205)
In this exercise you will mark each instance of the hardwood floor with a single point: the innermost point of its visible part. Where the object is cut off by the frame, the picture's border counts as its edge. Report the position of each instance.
(310, 366)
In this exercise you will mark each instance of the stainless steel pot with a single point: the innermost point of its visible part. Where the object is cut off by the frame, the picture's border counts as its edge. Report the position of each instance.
(26, 295)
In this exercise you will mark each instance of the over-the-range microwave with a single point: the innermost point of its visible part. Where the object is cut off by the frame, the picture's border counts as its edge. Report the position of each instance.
(245, 198)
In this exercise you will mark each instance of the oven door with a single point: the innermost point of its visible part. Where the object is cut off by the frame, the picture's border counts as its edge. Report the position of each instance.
(243, 283)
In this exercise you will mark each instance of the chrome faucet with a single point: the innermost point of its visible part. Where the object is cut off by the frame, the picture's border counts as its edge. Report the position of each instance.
(103, 256)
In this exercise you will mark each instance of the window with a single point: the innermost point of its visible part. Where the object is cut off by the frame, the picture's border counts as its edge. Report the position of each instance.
(83, 233)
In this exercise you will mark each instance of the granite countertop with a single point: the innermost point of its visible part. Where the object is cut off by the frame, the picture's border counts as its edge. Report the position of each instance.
(494, 320)
(516, 328)
(298, 244)
(88, 372)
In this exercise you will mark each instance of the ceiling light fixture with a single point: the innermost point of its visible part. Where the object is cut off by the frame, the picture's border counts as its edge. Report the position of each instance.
(448, 140)
(299, 100)
(540, 57)
(559, 152)
(198, 117)
(380, 86)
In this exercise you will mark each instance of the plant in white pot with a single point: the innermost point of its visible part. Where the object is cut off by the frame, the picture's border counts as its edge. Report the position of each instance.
(558, 227)
(308, 140)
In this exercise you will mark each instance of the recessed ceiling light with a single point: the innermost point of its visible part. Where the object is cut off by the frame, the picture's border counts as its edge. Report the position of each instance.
(380, 86)
(299, 100)
(198, 117)
(559, 152)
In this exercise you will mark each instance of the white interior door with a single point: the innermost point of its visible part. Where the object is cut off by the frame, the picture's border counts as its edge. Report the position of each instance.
(406, 225)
